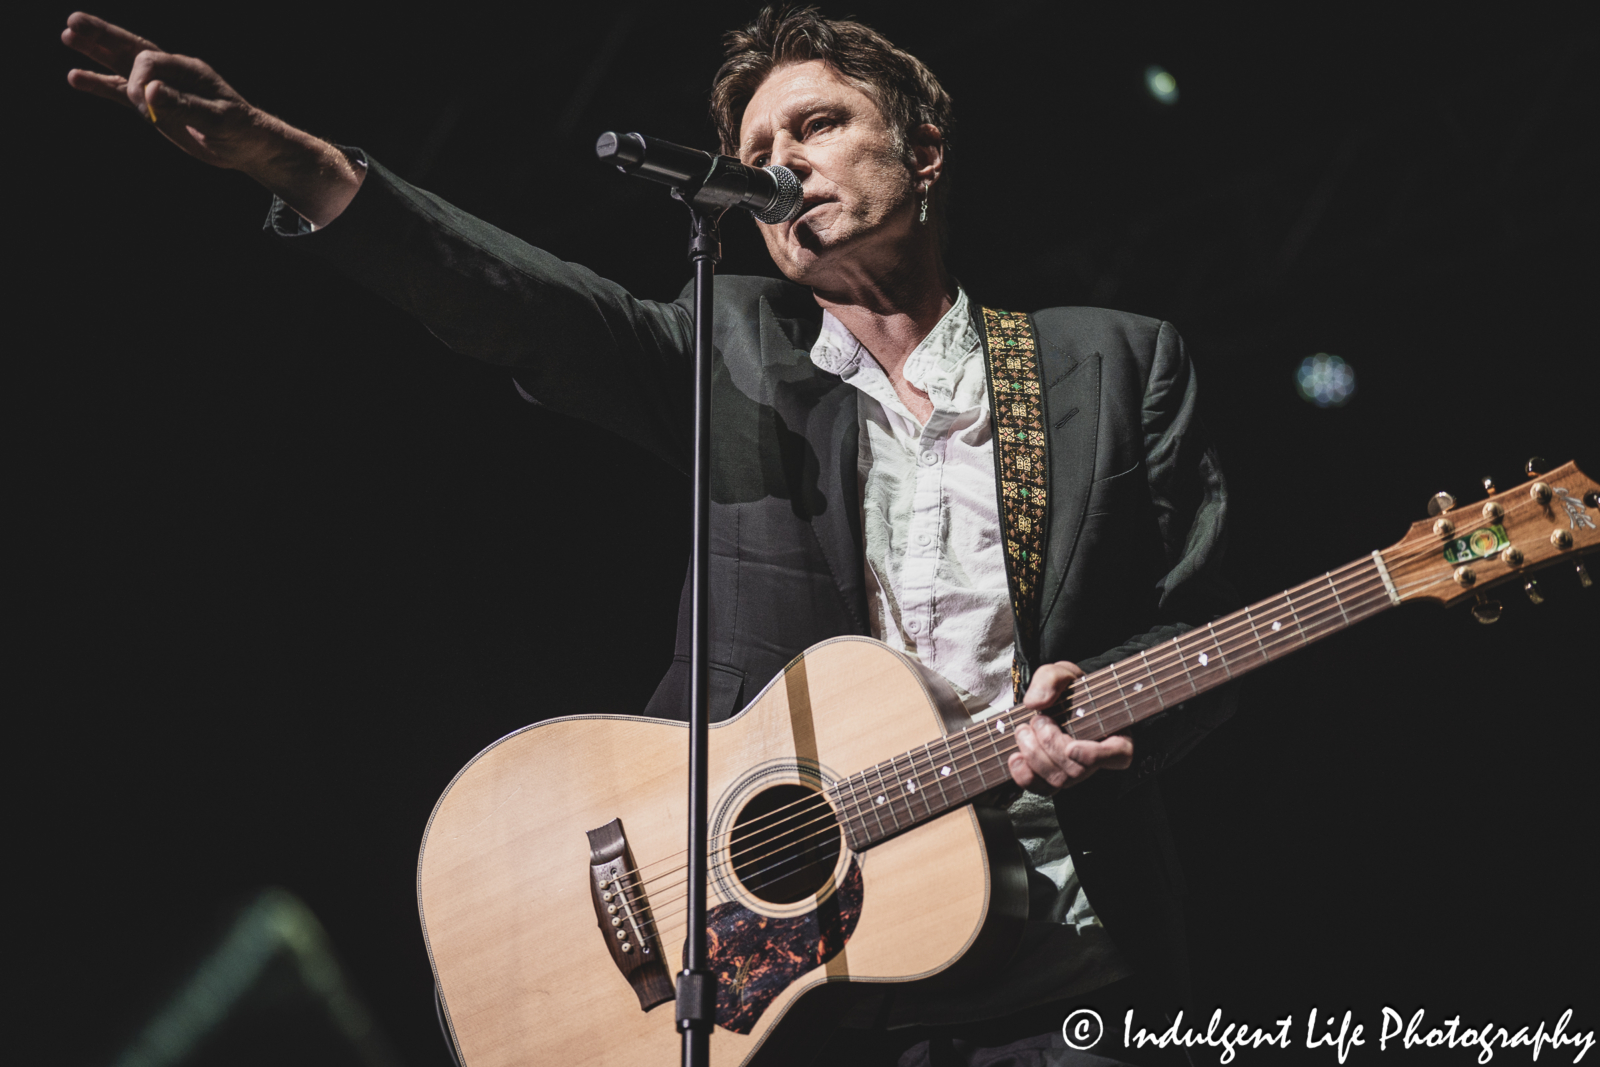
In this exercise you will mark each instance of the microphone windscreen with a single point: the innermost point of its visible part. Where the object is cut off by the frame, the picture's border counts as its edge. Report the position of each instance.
(786, 204)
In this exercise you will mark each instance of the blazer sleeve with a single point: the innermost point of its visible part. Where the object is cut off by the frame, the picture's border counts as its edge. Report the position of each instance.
(573, 341)
(1190, 502)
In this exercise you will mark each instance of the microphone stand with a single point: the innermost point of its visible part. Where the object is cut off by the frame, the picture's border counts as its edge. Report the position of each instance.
(707, 193)
(697, 983)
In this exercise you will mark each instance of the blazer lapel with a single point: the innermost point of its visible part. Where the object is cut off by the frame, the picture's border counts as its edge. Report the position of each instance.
(1072, 421)
(832, 429)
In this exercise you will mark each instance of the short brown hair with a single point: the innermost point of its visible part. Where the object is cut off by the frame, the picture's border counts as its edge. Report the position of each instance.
(905, 91)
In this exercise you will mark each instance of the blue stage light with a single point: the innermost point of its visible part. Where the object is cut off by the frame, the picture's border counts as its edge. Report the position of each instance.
(1326, 381)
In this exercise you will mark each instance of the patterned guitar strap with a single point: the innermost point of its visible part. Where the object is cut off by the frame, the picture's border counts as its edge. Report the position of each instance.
(1016, 394)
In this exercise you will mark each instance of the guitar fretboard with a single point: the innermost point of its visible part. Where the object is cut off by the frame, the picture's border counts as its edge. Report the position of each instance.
(916, 786)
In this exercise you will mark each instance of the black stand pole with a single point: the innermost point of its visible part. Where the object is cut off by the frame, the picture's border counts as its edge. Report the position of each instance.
(697, 984)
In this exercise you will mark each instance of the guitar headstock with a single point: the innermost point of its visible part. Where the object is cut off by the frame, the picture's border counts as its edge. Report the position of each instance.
(1549, 519)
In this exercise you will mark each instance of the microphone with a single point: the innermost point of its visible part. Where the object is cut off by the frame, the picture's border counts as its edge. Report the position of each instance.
(771, 194)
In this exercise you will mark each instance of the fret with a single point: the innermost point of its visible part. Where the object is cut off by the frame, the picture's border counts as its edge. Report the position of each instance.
(1255, 632)
(1185, 659)
(997, 728)
(903, 787)
(922, 775)
(1122, 691)
(1222, 657)
(849, 816)
(864, 805)
(1081, 691)
(1288, 602)
(1155, 689)
(1277, 613)
(986, 731)
(940, 769)
(972, 765)
(1336, 598)
(878, 797)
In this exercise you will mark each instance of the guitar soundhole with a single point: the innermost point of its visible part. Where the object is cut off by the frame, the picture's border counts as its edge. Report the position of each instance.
(785, 844)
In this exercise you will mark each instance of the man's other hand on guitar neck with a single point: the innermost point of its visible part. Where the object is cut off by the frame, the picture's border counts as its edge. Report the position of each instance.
(1047, 759)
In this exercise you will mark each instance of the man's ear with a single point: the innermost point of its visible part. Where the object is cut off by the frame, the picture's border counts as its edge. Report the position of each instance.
(927, 152)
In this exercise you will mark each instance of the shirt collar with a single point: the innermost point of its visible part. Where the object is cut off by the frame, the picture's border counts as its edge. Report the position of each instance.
(935, 365)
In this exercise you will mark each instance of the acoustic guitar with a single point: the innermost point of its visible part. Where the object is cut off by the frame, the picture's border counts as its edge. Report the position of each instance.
(845, 846)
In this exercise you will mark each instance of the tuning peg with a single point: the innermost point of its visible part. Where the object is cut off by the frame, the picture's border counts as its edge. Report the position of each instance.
(1535, 465)
(1531, 587)
(1487, 611)
(1592, 498)
(1488, 484)
(1583, 575)
(1440, 502)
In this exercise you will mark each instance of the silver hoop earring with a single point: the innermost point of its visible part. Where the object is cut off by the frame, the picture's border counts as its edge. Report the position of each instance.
(922, 213)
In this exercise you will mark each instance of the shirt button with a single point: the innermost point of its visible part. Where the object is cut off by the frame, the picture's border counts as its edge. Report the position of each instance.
(929, 458)
(924, 539)
(914, 625)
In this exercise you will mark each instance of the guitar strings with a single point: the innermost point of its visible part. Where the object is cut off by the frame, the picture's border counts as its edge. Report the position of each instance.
(1221, 629)
(666, 903)
(1313, 611)
(1368, 598)
(815, 804)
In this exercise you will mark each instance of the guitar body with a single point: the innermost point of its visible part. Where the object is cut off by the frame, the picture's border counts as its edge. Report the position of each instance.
(511, 912)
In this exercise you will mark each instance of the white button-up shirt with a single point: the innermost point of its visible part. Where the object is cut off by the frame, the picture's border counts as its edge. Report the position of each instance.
(935, 569)
(937, 589)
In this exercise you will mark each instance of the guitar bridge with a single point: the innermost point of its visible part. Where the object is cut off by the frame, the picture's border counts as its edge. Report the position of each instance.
(623, 911)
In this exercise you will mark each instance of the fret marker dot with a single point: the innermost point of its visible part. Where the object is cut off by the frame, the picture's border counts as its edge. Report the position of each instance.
(1078, 714)
(945, 771)
(1204, 659)
(911, 787)
(1000, 726)
(1277, 626)
(879, 800)
(1137, 686)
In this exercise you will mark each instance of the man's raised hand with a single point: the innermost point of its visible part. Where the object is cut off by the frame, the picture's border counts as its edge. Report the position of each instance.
(188, 102)
(202, 114)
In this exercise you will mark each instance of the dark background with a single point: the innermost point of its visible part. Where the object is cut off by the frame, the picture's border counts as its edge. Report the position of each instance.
(286, 563)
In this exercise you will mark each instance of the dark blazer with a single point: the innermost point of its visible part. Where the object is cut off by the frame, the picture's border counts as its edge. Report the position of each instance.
(1136, 507)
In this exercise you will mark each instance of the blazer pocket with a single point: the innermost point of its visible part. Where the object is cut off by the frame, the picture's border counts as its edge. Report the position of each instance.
(1109, 496)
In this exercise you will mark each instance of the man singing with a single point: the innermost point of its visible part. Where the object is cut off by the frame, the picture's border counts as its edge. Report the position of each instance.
(869, 476)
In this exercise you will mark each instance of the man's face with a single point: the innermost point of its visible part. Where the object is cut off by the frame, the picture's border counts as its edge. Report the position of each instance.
(859, 193)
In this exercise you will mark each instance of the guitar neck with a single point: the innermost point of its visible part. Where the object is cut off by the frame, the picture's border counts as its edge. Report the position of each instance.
(916, 786)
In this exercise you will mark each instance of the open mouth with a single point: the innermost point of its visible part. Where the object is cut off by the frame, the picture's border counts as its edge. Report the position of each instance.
(807, 206)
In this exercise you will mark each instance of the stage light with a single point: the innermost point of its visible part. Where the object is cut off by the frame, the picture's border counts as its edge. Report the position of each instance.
(1162, 86)
(1326, 381)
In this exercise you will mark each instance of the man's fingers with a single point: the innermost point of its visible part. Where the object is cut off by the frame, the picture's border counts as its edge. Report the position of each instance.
(1039, 761)
(161, 82)
(1114, 753)
(109, 45)
(1048, 759)
(106, 86)
(1049, 682)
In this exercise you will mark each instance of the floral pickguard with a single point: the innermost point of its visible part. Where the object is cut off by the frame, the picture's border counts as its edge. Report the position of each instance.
(755, 957)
